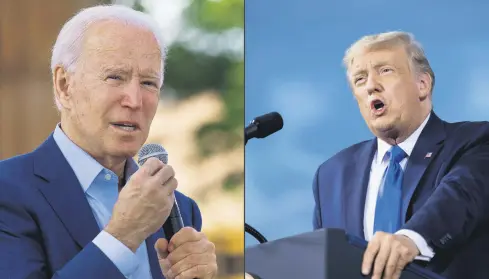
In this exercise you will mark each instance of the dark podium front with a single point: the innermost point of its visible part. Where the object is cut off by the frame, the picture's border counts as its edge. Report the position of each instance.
(322, 254)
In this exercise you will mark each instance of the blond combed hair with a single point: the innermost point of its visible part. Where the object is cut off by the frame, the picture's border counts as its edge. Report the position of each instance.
(418, 61)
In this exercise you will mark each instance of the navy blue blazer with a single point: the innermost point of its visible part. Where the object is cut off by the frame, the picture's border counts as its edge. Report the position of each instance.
(445, 195)
(47, 225)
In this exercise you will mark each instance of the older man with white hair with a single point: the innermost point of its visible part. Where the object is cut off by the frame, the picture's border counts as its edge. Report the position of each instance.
(419, 190)
(66, 210)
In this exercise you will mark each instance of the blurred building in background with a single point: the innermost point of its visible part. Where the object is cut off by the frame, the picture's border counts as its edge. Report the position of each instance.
(200, 117)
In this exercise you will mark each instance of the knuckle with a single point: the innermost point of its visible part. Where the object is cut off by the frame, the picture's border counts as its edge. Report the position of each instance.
(405, 254)
(380, 234)
(211, 247)
(187, 230)
(378, 266)
(170, 170)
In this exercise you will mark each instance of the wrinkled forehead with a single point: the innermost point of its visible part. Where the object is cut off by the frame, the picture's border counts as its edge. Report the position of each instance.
(372, 57)
(114, 42)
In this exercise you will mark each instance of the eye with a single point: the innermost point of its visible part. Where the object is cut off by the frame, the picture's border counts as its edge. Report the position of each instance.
(150, 83)
(115, 77)
(386, 70)
(358, 79)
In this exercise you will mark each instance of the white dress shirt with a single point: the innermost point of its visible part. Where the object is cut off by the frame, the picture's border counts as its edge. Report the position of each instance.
(379, 166)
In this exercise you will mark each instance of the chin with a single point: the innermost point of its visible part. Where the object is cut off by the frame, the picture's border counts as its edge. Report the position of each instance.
(383, 126)
(125, 149)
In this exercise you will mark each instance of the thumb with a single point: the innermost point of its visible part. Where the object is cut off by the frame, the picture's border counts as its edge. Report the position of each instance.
(161, 247)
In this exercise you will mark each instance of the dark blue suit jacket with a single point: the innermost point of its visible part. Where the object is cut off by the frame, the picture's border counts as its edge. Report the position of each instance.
(47, 225)
(445, 196)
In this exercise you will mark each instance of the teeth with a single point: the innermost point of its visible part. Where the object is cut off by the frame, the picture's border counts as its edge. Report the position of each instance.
(126, 127)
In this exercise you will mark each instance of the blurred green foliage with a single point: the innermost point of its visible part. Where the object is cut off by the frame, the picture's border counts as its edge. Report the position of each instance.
(190, 72)
(214, 16)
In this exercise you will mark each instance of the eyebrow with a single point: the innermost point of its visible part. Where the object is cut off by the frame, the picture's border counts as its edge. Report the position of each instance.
(376, 66)
(150, 74)
(127, 69)
(117, 69)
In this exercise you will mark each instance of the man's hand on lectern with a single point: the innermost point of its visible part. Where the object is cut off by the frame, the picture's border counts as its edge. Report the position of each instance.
(388, 254)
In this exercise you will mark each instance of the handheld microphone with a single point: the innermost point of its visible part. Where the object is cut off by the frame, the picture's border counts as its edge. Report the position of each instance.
(264, 125)
(174, 223)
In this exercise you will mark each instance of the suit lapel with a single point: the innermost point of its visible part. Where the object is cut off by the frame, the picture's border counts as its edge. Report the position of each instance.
(356, 178)
(425, 149)
(152, 256)
(64, 193)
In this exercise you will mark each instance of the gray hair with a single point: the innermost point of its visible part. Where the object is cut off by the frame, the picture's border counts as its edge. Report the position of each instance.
(68, 46)
(414, 50)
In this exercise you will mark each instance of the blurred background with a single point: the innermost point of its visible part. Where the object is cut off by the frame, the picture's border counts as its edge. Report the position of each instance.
(200, 118)
(294, 50)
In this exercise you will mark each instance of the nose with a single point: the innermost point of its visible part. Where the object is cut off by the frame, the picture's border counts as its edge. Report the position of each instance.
(132, 95)
(373, 85)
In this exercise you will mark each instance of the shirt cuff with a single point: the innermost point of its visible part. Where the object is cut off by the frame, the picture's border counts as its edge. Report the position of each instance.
(426, 251)
(122, 257)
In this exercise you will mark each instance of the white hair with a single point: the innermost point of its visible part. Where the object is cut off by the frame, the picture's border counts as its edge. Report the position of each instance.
(388, 40)
(68, 46)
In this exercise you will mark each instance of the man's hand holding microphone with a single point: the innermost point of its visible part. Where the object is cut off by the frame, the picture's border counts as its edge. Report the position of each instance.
(142, 208)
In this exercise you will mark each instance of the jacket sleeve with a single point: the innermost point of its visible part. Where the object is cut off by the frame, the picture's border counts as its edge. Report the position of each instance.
(21, 247)
(459, 203)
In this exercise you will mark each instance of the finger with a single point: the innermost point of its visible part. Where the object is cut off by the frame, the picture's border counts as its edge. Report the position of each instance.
(404, 259)
(164, 175)
(381, 259)
(190, 261)
(392, 264)
(190, 248)
(397, 273)
(369, 255)
(161, 247)
(186, 234)
(171, 185)
(198, 271)
(151, 166)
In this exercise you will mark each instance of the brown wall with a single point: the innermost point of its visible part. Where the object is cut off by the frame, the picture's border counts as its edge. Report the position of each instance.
(28, 29)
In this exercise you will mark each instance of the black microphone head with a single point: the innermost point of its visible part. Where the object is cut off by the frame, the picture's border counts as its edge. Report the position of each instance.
(152, 150)
(268, 124)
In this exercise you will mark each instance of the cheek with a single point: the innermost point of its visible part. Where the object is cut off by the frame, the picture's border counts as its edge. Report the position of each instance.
(150, 104)
(362, 100)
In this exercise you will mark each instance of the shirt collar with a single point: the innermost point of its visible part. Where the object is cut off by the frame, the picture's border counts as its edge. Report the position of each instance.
(407, 145)
(85, 167)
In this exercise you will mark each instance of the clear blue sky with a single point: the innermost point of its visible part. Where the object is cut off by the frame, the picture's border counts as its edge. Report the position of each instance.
(293, 52)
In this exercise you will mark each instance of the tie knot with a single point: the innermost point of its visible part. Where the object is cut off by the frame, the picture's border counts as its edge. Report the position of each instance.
(397, 154)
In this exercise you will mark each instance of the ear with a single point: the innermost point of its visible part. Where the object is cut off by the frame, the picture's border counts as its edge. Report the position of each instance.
(424, 83)
(61, 82)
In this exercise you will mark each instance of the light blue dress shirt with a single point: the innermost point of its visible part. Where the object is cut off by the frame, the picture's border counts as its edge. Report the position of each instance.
(100, 186)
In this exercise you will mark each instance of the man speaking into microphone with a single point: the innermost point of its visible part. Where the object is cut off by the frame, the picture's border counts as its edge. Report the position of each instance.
(79, 206)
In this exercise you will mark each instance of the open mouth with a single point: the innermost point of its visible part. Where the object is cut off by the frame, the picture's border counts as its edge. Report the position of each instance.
(377, 107)
(125, 126)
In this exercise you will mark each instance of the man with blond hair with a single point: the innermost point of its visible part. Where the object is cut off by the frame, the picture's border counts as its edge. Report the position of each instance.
(419, 191)
(79, 206)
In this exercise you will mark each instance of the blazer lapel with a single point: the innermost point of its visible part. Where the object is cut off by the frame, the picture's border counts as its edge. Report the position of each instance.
(152, 256)
(356, 177)
(426, 148)
(64, 193)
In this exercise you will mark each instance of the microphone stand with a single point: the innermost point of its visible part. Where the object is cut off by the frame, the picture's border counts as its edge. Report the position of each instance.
(248, 228)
